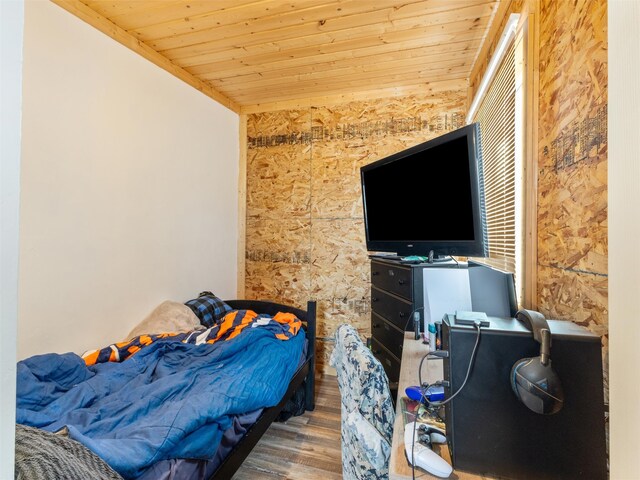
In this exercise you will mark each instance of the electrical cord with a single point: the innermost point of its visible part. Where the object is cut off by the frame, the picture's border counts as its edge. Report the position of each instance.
(423, 389)
(428, 356)
(413, 448)
(471, 359)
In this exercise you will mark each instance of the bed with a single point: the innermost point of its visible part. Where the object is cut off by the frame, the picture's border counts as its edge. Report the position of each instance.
(223, 390)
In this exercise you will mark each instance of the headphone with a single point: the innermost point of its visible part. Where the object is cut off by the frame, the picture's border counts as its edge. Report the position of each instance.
(533, 380)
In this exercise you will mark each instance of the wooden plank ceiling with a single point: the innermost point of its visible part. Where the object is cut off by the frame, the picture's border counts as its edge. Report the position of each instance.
(248, 52)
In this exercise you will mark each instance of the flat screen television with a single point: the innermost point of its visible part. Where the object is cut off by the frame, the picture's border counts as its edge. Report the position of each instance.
(428, 200)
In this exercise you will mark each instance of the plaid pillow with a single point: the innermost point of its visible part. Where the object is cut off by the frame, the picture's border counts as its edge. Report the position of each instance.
(209, 308)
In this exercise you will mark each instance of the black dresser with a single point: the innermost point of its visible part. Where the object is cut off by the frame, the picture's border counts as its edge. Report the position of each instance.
(396, 292)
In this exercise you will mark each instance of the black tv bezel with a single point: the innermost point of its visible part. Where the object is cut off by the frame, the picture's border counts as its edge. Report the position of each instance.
(423, 247)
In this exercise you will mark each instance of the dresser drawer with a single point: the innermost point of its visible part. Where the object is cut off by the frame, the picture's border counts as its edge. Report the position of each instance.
(389, 362)
(387, 334)
(393, 309)
(393, 278)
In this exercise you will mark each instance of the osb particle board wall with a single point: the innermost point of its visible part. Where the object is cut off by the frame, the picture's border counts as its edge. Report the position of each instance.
(305, 234)
(572, 164)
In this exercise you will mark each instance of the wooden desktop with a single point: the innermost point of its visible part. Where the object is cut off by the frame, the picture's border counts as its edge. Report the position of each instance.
(412, 352)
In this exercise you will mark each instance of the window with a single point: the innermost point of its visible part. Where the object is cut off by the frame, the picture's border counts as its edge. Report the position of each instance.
(498, 106)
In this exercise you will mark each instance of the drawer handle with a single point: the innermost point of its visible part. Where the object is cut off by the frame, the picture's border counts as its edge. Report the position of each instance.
(376, 352)
(400, 282)
(374, 299)
(386, 326)
(375, 325)
(387, 361)
(375, 272)
(401, 314)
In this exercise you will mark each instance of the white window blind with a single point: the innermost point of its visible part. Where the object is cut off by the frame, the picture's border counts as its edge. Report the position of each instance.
(496, 114)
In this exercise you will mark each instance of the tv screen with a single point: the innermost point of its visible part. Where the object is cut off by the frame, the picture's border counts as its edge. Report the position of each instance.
(428, 198)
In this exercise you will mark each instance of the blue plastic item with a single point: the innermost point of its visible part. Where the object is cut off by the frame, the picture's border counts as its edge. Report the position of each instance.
(434, 393)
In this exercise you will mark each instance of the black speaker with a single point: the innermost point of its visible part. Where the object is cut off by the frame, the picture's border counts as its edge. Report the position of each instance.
(491, 432)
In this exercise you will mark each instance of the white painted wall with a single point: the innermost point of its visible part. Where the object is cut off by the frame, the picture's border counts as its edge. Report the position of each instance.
(11, 26)
(624, 235)
(128, 189)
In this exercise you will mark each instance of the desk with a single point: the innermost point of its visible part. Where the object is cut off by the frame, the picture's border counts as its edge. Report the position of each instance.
(412, 352)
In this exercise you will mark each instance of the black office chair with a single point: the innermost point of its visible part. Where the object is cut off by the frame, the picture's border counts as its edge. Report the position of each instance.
(367, 409)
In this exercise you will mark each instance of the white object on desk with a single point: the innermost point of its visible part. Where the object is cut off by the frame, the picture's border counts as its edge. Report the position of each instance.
(422, 456)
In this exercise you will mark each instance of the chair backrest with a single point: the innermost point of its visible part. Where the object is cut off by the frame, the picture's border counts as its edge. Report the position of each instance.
(367, 408)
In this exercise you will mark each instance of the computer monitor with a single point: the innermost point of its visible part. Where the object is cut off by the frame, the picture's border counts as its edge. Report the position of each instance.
(493, 291)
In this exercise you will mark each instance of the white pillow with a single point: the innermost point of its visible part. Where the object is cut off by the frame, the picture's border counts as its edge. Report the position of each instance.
(168, 317)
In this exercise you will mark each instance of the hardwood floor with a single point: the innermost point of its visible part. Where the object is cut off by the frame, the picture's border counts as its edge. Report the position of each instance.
(306, 447)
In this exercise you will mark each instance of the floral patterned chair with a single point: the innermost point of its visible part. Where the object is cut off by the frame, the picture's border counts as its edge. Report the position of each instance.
(367, 414)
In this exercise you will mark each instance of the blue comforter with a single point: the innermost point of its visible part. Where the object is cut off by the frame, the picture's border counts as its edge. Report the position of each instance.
(169, 400)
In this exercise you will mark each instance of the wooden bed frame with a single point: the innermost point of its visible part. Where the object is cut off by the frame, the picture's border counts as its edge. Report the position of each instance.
(306, 371)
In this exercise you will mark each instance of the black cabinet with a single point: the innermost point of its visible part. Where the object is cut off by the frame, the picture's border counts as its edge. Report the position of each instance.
(396, 292)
